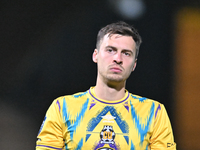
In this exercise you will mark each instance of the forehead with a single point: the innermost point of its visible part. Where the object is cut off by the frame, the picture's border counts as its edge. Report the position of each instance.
(118, 41)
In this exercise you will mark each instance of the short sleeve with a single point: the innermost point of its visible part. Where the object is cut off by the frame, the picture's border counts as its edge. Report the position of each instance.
(50, 136)
(162, 136)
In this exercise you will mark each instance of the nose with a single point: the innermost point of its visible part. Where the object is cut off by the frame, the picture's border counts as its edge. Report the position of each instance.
(118, 58)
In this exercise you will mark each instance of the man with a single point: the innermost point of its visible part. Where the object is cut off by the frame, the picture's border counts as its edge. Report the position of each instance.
(107, 116)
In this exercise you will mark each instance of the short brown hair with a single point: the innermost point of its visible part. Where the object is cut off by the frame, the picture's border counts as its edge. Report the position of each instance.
(121, 28)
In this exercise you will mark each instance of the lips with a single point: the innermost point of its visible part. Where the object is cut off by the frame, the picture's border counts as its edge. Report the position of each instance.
(116, 69)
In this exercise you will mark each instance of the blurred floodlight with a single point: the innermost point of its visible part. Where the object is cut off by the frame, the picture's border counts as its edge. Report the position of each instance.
(128, 9)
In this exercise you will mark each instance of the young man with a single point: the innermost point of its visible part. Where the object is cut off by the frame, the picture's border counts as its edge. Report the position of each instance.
(107, 116)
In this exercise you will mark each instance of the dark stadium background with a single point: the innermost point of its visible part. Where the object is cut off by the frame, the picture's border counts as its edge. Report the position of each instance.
(46, 52)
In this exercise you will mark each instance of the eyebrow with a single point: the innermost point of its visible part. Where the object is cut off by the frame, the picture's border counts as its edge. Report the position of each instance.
(127, 50)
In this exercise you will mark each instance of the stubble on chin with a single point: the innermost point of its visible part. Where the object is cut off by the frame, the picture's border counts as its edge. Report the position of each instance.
(114, 78)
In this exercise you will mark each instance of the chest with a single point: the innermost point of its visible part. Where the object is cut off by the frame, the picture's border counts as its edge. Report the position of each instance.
(108, 127)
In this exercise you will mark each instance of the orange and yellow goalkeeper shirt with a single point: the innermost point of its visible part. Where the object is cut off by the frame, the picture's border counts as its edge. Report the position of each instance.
(84, 122)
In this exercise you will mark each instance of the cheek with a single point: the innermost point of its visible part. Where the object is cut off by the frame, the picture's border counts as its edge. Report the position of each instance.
(103, 59)
(101, 63)
(131, 67)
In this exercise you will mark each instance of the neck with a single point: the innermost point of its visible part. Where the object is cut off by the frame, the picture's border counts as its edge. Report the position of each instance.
(110, 91)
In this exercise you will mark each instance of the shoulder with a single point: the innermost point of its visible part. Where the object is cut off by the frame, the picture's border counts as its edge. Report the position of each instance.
(144, 100)
(146, 107)
(79, 96)
(143, 103)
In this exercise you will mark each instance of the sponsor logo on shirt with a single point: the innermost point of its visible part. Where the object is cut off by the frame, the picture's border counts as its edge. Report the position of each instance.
(108, 118)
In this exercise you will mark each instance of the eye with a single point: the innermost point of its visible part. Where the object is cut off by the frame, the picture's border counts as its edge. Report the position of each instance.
(127, 53)
(110, 50)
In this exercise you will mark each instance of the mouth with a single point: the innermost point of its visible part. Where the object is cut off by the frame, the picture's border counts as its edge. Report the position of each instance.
(116, 69)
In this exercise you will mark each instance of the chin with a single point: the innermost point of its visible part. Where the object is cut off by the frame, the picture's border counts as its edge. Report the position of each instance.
(115, 78)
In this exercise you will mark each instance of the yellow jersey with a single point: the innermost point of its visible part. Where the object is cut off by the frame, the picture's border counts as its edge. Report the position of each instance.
(84, 122)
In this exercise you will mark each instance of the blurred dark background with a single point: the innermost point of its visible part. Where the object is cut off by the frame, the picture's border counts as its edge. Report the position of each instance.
(46, 52)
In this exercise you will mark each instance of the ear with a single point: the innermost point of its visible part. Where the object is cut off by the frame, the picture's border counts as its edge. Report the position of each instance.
(135, 63)
(95, 55)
